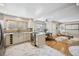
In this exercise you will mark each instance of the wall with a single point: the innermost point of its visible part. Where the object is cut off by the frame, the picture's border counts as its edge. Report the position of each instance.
(48, 26)
(62, 28)
(52, 27)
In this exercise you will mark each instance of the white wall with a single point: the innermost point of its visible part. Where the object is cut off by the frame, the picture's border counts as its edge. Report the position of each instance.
(62, 28)
(49, 26)
(52, 27)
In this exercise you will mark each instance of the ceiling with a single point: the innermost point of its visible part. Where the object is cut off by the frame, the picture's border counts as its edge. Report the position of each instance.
(50, 11)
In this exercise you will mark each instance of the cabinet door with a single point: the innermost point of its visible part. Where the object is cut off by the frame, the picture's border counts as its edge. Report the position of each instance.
(21, 39)
(18, 38)
(7, 37)
(40, 40)
(27, 36)
(15, 38)
(24, 37)
(11, 25)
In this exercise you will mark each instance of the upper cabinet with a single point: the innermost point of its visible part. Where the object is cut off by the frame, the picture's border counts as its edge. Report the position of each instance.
(11, 25)
(39, 26)
(14, 24)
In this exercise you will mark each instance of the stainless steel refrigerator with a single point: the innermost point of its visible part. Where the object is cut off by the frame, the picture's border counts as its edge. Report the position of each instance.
(2, 42)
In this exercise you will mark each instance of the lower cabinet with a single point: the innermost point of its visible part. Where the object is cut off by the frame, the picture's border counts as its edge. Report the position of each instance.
(20, 37)
(15, 38)
(7, 38)
(27, 36)
(40, 40)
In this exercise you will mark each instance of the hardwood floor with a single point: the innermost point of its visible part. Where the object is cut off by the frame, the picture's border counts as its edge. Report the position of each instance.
(62, 47)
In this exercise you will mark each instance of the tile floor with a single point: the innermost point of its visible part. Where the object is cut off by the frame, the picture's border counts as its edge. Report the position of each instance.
(26, 49)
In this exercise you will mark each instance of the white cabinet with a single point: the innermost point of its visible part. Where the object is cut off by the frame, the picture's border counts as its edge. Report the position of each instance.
(7, 37)
(40, 40)
(20, 37)
(17, 38)
(27, 36)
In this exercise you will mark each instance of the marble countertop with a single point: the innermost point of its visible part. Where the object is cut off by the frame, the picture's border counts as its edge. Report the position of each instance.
(74, 50)
(18, 32)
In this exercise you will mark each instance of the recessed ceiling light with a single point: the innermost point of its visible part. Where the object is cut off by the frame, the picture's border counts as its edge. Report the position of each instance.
(77, 4)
